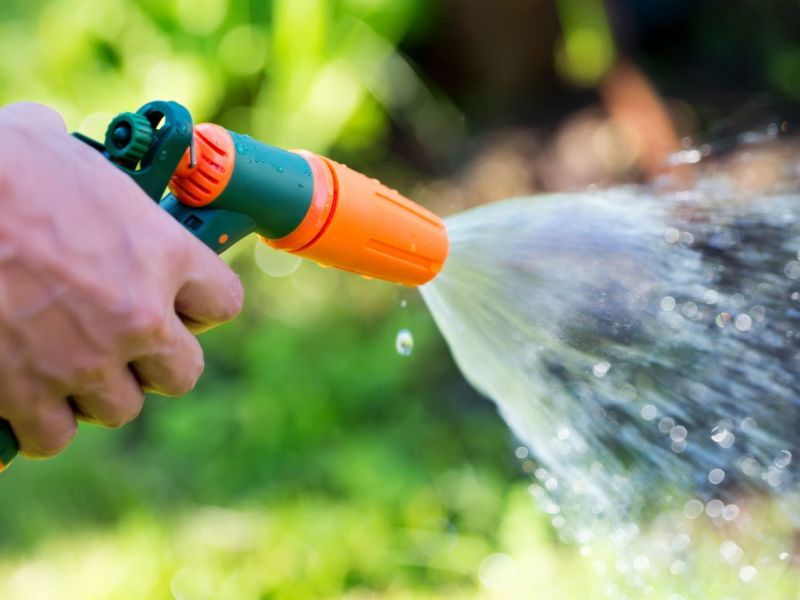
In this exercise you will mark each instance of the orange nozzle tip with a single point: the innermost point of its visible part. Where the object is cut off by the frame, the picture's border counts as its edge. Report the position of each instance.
(214, 156)
(376, 232)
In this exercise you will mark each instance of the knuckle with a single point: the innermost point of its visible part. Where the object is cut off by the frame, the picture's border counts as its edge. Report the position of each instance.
(52, 441)
(187, 380)
(91, 371)
(123, 413)
(235, 300)
(199, 367)
(148, 320)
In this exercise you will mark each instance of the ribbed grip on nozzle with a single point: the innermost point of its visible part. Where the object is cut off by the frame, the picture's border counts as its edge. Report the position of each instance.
(206, 167)
(374, 231)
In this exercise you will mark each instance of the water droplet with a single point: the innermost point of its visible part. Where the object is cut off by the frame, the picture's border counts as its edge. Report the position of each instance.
(678, 433)
(693, 509)
(747, 573)
(723, 319)
(628, 392)
(730, 551)
(682, 541)
(792, 269)
(749, 466)
(404, 342)
(743, 322)
(784, 556)
(672, 235)
(239, 148)
(552, 509)
(280, 169)
(521, 452)
(678, 446)
(715, 476)
(773, 477)
(667, 303)
(714, 508)
(641, 563)
(749, 424)
(783, 459)
(497, 572)
(711, 297)
(723, 436)
(600, 369)
(649, 412)
(677, 567)
(730, 512)
(697, 391)
(665, 425)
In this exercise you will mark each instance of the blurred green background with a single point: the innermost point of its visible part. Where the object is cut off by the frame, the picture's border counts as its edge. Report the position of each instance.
(314, 461)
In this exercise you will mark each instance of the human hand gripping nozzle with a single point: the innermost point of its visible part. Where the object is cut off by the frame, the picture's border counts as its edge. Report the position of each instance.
(222, 186)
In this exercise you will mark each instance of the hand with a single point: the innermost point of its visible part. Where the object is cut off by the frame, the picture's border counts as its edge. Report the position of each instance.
(100, 289)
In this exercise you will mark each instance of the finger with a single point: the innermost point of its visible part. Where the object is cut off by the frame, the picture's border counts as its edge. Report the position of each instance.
(45, 427)
(112, 402)
(211, 293)
(33, 112)
(173, 366)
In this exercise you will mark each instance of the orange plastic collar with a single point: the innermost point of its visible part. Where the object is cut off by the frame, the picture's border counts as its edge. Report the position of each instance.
(214, 155)
(318, 213)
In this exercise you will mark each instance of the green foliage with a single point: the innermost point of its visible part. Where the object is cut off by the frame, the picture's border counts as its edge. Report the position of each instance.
(293, 72)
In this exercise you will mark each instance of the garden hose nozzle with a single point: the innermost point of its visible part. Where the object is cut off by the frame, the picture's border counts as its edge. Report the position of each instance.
(305, 204)
(224, 186)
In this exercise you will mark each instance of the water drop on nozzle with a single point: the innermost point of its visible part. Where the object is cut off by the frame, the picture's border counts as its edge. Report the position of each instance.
(404, 342)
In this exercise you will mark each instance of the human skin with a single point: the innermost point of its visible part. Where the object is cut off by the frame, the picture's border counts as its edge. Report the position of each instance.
(101, 292)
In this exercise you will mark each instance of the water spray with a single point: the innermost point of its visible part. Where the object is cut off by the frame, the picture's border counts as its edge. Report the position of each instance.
(643, 346)
(224, 186)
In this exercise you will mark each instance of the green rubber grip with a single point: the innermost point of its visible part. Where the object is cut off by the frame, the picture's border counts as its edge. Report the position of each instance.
(8, 444)
(272, 186)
